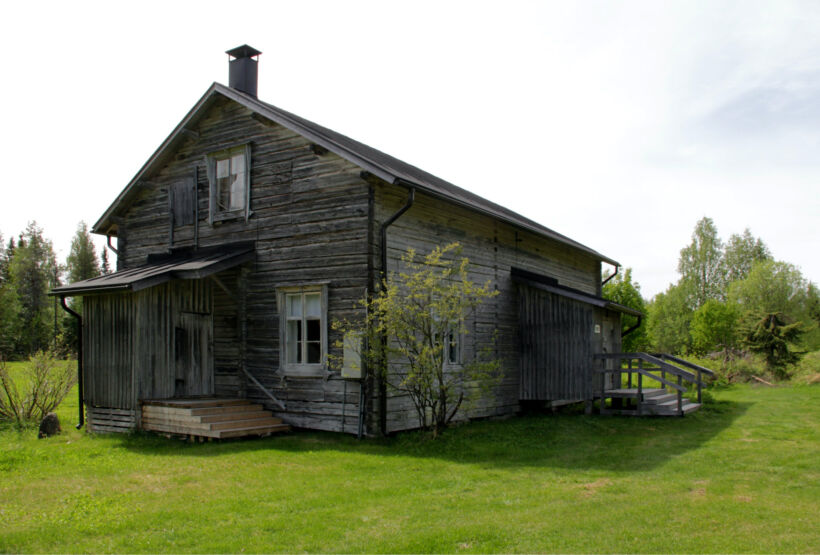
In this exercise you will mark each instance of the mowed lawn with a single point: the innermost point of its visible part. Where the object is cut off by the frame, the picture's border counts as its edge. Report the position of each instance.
(743, 475)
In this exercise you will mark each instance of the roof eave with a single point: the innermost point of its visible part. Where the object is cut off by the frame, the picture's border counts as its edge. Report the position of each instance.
(102, 225)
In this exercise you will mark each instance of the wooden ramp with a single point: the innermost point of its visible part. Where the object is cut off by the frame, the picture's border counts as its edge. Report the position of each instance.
(209, 418)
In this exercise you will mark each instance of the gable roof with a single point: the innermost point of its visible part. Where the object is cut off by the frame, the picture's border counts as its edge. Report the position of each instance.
(383, 166)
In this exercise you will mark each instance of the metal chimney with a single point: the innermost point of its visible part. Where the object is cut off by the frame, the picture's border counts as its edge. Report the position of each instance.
(243, 69)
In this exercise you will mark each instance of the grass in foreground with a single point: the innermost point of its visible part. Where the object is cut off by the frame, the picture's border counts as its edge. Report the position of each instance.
(742, 475)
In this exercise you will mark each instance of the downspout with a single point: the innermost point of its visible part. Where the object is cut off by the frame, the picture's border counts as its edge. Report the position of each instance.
(411, 197)
(79, 358)
(109, 245)
(612, 276)
(631, 329)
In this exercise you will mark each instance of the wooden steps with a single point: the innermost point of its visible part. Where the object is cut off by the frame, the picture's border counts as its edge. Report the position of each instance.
(209, 418)
(653, 402)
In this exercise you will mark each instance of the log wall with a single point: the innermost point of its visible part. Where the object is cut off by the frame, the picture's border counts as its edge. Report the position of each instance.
(309, 219)
(493, 247)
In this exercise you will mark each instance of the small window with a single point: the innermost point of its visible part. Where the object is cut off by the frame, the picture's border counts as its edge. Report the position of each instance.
(229, 181)
(451, 347)
(303, 330)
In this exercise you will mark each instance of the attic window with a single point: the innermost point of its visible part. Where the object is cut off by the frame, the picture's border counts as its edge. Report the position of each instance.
(229, 183)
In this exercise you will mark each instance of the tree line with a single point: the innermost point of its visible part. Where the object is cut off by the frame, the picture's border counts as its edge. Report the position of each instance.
(731, 300)
(30, 320)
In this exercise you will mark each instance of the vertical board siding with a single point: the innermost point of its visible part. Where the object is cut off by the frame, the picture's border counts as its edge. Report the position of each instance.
(557, 345)
(107, 346)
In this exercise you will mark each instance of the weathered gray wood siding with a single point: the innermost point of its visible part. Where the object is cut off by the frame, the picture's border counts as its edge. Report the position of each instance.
(309, 219)
(158, 311)
(108, 341)
(128, 346)
(557, 337)
(493, 247)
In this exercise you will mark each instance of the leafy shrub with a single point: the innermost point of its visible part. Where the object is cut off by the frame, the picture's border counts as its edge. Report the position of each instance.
(808, 369)
(39, 389)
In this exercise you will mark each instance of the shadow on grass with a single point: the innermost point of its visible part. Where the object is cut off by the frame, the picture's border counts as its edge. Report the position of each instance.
(563, 440)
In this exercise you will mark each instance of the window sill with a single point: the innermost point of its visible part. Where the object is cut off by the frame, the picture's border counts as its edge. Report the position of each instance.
(304, 370)
(224, 217)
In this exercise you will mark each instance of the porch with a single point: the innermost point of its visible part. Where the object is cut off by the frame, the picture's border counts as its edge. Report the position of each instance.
(620, 385)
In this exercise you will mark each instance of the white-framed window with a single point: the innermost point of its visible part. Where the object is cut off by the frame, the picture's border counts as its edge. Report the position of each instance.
(303, 328)
(229, 178)
(451, 346)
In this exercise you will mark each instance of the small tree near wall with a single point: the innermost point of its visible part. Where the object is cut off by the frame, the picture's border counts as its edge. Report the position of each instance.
(418, 322)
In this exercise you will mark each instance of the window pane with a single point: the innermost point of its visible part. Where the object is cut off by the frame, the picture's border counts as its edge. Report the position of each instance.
(453, 354)
(313, 304)
(223, 168)
(292, 335)
(313, 330)
(314, 353)
(294, 306)
(238, 192)
(238, 164)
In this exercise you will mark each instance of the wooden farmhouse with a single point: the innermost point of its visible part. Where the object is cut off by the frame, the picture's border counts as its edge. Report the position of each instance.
(250, 230)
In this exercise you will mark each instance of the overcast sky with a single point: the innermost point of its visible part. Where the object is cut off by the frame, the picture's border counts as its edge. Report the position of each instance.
(619, 124)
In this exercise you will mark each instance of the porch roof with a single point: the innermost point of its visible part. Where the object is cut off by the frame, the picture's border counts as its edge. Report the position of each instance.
(179, 264)
(550, 284)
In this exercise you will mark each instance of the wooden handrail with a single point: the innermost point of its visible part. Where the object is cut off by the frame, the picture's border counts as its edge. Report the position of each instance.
(645, 372)
(654, 360)
(686, 363)
(660, 364)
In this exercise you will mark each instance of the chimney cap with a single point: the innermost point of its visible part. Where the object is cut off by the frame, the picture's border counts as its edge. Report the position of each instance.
(243, 51)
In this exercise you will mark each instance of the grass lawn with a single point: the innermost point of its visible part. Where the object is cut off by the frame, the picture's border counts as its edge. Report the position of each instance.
(742, 475)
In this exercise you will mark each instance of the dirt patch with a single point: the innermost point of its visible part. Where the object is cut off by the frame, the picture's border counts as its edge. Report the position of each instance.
(592, 488)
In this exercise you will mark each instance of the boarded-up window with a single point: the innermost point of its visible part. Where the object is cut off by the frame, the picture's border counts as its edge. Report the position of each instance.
(183, 200)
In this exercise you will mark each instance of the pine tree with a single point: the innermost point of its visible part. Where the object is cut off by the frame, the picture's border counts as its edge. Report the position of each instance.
(105, 266)
(773, 336)
(82, 260)
(33, 271)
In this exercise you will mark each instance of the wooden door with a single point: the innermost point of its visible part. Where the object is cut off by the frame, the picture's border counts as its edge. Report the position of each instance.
(193, 355)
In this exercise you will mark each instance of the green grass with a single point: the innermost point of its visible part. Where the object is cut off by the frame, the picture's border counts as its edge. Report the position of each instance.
(742, 475)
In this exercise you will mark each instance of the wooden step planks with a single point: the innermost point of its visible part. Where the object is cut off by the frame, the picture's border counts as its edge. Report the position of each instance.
(209, 417)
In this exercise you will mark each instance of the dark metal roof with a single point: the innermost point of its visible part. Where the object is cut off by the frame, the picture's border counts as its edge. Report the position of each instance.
(185, 264)
(383, 166)
(550, 284)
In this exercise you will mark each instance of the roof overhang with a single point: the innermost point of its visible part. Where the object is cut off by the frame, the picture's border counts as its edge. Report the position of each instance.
(372, 161)
(180, 264)
(551, 285)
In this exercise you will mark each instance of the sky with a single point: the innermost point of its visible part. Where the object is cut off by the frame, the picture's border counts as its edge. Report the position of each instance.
(618, 124)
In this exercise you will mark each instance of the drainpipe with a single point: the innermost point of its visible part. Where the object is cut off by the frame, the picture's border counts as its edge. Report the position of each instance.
(610, 277)
(411, 197)
(108, 243)
(79, 358)
(631, 329)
